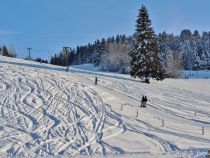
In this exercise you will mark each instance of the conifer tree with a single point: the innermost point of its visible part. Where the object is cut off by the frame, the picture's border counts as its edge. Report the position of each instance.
(145, 59)
(5, 51)
(164, 48)
(99, 46)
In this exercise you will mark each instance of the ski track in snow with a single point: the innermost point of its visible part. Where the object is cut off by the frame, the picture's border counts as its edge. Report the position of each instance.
(53, 113)
(175, 102)
(47, 114)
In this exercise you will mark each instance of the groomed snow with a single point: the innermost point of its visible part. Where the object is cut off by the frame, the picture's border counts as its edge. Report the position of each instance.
(88, 67)
(45, 111)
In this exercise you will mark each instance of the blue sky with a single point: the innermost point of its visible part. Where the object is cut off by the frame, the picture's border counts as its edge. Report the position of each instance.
(48, 25)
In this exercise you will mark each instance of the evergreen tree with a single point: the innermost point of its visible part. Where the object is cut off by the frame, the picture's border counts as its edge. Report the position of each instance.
(71, 56)
(117, 40)
(99, 46)
(56, 60)
(164, 48)
(199, 56)
(206, 48)
(145, 59)
(5, 51)
(188, 49)
(52, 61)
(122, 39)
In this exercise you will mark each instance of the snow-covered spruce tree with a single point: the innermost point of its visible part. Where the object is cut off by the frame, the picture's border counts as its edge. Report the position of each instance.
(189, 50)
(164, 48)
(206, 49)
(169, 55)
(199, 64)
(99, 46)
(145, 59)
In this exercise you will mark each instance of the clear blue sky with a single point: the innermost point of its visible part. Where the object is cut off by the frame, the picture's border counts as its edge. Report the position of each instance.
(48, 25)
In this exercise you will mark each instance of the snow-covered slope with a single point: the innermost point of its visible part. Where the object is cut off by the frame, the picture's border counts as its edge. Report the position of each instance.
(47, 111)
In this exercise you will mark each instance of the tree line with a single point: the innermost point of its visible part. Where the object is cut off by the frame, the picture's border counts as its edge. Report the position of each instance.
(189, 51)
(111, 54)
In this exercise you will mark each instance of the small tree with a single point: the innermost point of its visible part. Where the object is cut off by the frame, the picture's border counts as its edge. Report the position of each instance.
(8, 52)
(99, 47)
(145, 59)
(5, 51)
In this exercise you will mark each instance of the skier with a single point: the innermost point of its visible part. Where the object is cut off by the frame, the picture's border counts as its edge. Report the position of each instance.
(96, 80)
(145, 101)
(142, 101)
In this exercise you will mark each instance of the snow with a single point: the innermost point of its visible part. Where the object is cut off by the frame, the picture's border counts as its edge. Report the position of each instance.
(45, 111)
(201, 156)
(89, 67)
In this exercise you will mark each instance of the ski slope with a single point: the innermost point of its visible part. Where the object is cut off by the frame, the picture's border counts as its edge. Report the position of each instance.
(45, 111)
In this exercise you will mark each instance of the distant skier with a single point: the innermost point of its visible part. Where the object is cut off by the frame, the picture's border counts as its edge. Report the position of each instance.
(96, 80)
(142, 101)
(145, 101)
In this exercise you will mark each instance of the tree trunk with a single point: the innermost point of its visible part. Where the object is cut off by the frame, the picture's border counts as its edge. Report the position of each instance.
(146, 80)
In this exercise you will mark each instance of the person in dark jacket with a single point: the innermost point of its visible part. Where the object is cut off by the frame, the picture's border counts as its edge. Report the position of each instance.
(142, 101)
(96, 80)
(145, 101)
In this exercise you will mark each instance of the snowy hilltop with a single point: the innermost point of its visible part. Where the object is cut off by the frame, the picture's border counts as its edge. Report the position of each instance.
(46, 111)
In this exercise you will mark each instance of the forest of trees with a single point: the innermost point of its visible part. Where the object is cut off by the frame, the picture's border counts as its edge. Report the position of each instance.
(189, 51)
(111, 54)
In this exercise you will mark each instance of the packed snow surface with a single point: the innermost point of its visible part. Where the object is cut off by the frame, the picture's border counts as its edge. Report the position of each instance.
(45, 111)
